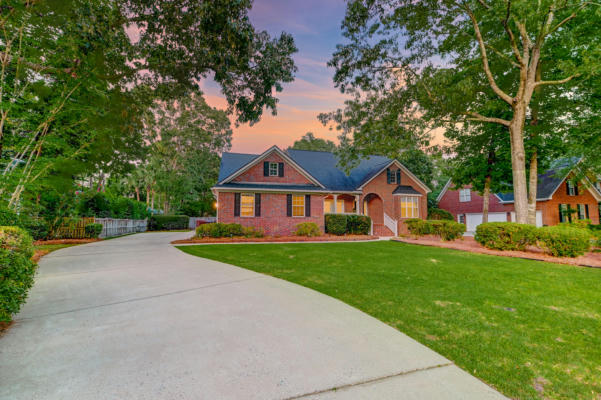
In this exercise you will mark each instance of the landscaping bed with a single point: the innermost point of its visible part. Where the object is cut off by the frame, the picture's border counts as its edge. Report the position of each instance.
(590, 259)
(278, 239)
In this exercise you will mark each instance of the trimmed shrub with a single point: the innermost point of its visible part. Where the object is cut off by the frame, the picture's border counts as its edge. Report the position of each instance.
(168, 222)
(562, 241)
(439, 213)
(506, 235)
(219, 230)
(93, 230)
(336, 224)
(358, 224)
(447, 230)
(309, 229)
(16, 269)
(418, 227)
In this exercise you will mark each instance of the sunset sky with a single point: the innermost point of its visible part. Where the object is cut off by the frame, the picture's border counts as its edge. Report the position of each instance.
(315, 26)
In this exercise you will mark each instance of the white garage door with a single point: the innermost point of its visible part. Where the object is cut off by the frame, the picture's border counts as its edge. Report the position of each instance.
(473, 220)
(539, 218)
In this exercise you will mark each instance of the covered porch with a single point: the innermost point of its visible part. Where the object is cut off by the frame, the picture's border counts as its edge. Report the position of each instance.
(342, 203)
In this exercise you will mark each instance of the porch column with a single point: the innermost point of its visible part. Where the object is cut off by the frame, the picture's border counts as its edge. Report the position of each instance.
(334, 208)
(357, 208)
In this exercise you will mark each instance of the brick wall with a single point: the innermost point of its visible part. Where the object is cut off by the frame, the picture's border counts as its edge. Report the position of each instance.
(391, 204)
(450, 202)
(255, 173)
(273, 219)
(551, 207)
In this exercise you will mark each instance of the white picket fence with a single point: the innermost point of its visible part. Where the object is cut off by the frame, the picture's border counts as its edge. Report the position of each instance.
(115, 227)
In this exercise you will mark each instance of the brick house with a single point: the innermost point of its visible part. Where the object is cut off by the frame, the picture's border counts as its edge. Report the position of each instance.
(277, 190)
(556, 193)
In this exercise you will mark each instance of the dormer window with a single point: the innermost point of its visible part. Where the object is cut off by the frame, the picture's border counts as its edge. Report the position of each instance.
(273, 169)
(465, 195)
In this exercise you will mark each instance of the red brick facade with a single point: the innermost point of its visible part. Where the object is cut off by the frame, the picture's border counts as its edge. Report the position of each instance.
(391, 204)
(450, 202)
(273, 219)
(549, 208)
(255, 173)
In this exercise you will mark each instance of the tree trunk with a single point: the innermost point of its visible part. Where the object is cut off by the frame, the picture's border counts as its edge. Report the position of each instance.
(532, 188)
(147, 196)
(518, 163)
(137, 193)
(152, 204)
(486, 201)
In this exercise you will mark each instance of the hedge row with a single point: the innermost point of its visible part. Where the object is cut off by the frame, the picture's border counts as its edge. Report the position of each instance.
(564, 240)
(447, 230)
(219, 230)
(36, 227)
(341, 224)
(16, 269)
(102, 205)
(168, 222)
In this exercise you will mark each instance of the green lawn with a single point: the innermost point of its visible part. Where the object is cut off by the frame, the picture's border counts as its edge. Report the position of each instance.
(530, 329)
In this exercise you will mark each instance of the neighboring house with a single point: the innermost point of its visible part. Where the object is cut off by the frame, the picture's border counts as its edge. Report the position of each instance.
(556, 194)
(277, 190)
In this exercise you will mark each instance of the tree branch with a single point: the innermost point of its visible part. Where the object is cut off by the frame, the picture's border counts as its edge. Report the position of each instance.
(514, 45)
(479, 117)
(557, 82)
(491, 80)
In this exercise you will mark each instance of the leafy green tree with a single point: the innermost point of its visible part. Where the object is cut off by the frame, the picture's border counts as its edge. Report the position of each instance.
(309, 142)
(77, 76)
(455, 62)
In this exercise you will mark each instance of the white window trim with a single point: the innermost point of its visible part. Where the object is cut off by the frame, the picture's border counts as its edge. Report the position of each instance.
(393, 176)
(581, 207)
(465, 198)
(304, 206)
(277, 168)
(253, 206)
(414, 210)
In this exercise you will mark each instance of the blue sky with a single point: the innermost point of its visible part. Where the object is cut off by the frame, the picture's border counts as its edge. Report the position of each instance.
(315, 26)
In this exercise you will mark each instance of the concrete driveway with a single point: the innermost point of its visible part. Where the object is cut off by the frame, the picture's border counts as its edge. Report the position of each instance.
(135, 318)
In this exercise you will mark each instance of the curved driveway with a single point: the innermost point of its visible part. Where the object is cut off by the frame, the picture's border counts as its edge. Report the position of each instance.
(135, 318)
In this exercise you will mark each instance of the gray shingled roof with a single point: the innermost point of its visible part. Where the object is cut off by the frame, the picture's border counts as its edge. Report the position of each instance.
(547, 182)
(402, 189)
(255, 186)
(321, 165)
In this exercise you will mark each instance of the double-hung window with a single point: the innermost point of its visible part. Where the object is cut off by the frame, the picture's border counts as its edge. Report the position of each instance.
(298, 205)
(571, 188)
(273, 169)
(247, 205)
(409, 207)
(465, 195)
(582, 211)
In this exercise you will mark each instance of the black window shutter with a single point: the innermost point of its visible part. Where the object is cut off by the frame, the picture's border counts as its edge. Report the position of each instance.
(289, 205)
(398, 176)
(561, 216)
(236, 204)
(576, 188)
(265, 168)
(257, 204)
(307, 205)
(387, 175)
(281, 169)
(586, 210)
(568, 188)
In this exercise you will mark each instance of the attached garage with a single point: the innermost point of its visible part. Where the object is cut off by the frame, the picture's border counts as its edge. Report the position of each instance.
(473, 220)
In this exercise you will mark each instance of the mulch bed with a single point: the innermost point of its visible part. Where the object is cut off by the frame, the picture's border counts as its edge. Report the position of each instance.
(279, 239)
(532, 253)
(64, 241)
